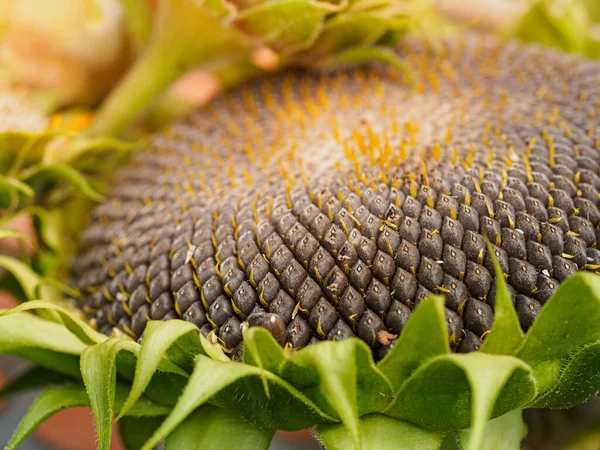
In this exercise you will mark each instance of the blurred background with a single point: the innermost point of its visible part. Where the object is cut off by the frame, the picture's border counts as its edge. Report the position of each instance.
(59, 59)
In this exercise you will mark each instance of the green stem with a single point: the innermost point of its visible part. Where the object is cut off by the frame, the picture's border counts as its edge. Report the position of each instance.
(148, 78)
(187, 35)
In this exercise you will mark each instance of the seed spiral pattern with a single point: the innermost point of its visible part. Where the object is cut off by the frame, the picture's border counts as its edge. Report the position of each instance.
(325, 206)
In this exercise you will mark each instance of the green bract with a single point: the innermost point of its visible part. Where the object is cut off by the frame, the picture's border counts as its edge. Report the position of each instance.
(221, 36)
(421, 395)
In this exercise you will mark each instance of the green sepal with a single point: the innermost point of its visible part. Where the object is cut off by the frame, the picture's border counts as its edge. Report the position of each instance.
(454, 391)
(360, 55)
(44, 342)
(285, 25)
(221, 383)
(262, 350)
(134, 431)
(568, 31)
(74, 324)
(505, 432)
(506, 335)
(48, 224)
(579, 380)
(341, 379)
(380, 432)
(20, 149)
(26, 276)
(567, 322)
(98, 368)
(212, 428)
(34, 378)
(348, 30)
(91, 154)
(63, 173)
(11, 190)
(52, 401)
(179, 340)
(424, 336)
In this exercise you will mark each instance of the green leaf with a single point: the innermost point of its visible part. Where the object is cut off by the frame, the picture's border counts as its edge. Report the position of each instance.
(135, 431)
(10, 189)
(98, 368)
(212, 428)
(49, 226)
(341, 379)
(424, 336)
(26, 276)
(44, 342)
(75, 325)
(222, 382)
(19, 149)
(568, 321)
(506, 335)
(578, 381)
(54, 400)
(61, 172)
(504, 432)
(262, 350)
(47, 404)
(285, 25)
(91, 154)
(346, 31)
(380, 433)
(452, 391)
(567, 30)
(34, 378)
(159, 337)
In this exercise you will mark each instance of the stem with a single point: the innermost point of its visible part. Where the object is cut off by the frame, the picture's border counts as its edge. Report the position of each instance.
(149, 77)
(187, 35)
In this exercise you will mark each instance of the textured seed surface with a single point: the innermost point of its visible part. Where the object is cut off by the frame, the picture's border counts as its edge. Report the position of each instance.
(325, 206)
